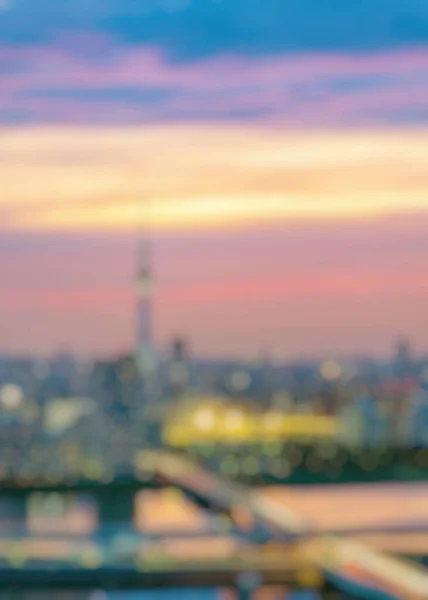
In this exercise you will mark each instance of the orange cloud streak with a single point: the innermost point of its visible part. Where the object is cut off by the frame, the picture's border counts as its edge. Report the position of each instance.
(200, 176)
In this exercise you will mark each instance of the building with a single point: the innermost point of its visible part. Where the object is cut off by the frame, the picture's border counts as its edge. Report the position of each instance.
(178, 373)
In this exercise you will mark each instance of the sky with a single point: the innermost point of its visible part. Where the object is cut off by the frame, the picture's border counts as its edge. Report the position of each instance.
(277, 150)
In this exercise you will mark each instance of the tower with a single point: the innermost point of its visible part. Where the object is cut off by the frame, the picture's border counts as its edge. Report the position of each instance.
(145, 351)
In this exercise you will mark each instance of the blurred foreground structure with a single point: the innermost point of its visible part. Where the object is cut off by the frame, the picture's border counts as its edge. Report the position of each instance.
(245, 539)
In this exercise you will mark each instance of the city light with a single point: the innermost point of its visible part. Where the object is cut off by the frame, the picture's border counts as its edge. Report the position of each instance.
(11, 396)
(331, 370)
(240, 380)
(91, 559)
(205, 419)
(234, 420)
(274, 422)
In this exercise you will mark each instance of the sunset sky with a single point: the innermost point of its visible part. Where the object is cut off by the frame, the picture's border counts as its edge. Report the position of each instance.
(277, 150)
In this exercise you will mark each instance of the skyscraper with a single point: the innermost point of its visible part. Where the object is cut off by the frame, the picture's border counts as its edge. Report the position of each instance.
(145, 350)
(403, 360)
(179, 350)
(178, 368)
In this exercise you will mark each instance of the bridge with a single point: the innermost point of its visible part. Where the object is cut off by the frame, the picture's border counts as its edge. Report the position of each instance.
(354, 568)
(323, 464)
(264, 541)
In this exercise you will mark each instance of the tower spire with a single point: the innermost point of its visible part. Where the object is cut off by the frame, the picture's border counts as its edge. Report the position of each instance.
(145, 352)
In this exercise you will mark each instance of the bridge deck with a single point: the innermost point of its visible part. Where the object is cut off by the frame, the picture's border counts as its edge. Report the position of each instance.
(355, 568)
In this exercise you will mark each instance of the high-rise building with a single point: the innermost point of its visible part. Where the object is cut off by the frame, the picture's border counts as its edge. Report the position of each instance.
(178, 368)
(179, 350)
(145, 349)
(417, 419)
(362, 422)
(403, 359)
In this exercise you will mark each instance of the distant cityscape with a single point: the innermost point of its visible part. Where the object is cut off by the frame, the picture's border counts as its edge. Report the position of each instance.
(68, 419)
(76, 435)
(64, 417)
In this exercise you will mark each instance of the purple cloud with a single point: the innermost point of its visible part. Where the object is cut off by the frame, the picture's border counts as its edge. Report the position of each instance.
(139, 84)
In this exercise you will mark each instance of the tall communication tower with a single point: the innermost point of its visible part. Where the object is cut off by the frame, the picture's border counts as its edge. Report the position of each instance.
(145, 348)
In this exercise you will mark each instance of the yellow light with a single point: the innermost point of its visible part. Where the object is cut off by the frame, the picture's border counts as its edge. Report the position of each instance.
(17, 556)
(178, 435)
(234, 419)
(273, 422)
(93, 469)
(331, 370)
(214, 423)
(11, 396)
(310, 578)
(91, 559)
(204, 419)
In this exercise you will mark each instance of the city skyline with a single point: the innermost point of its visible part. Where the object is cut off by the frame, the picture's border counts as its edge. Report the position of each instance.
(284, 175)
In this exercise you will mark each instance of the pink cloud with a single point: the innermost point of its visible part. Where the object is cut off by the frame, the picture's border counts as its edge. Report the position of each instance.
(320, 283)
(348, 313)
